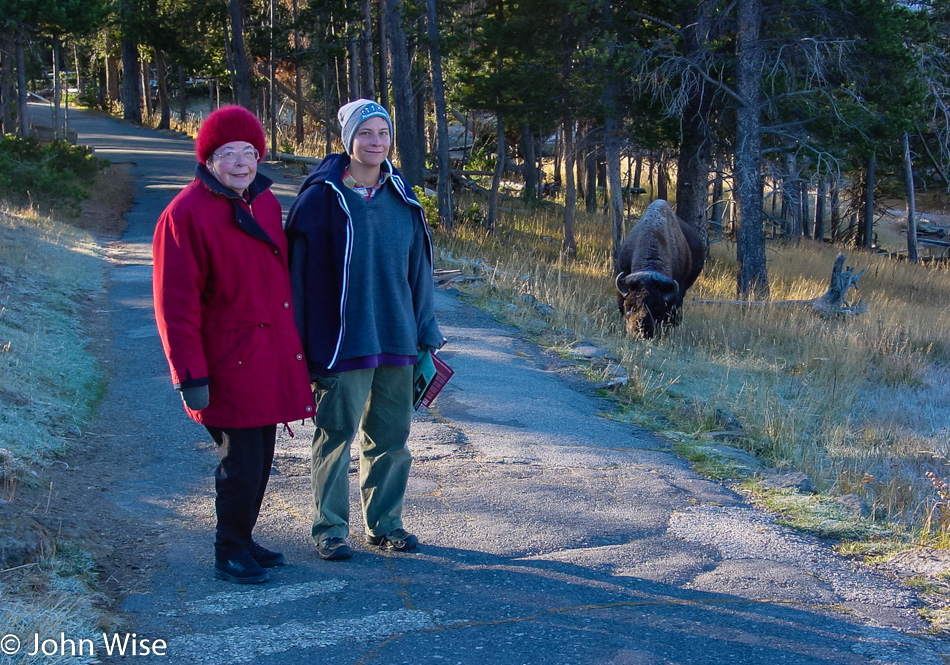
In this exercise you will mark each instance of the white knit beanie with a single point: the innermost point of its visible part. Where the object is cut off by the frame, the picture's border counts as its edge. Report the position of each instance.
(354, 114)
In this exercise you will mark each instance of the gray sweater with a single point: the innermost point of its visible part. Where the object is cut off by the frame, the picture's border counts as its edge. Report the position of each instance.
(389, 252)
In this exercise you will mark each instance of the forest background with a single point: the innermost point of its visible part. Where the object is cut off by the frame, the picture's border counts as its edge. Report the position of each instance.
(782, 131)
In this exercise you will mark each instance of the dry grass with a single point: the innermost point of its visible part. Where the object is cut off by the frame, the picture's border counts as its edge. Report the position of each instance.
(857, 403)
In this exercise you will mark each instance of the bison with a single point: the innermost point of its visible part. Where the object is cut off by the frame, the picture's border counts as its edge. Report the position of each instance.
(660, 258)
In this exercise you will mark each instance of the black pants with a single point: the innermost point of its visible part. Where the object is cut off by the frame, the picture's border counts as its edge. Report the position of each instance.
(245, 458)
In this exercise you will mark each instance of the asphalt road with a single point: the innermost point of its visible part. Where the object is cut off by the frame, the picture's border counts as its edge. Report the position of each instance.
(549, 535)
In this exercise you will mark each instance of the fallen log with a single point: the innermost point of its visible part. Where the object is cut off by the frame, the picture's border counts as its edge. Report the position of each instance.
(832, 303)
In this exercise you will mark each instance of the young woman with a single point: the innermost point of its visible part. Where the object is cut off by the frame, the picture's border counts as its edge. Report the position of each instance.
(361, 274)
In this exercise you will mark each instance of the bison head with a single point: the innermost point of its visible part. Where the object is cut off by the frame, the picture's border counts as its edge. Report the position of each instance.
(648, 300)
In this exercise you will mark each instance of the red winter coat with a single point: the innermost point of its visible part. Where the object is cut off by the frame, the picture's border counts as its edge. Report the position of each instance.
(223, 305)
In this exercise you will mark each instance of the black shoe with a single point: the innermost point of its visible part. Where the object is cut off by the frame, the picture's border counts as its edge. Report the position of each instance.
(397, 540)
(334, 549)
(240, 568)
(266, 558)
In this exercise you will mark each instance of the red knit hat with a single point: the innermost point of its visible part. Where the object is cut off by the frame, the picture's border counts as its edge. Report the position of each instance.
(229, 123)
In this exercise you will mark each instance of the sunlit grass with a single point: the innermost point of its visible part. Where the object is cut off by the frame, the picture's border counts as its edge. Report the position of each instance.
(858, 403)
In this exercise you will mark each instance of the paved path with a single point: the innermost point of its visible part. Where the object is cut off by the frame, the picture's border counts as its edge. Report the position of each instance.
(550, 535)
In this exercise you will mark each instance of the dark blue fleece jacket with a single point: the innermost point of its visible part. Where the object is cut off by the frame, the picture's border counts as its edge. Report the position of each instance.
(320, 235)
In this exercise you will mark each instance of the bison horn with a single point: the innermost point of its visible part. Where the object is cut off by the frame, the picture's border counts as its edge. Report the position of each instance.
(620, 279)
(670, 288)
(671, 296)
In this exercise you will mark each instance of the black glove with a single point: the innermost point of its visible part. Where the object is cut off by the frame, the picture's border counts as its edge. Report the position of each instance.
(195, 398)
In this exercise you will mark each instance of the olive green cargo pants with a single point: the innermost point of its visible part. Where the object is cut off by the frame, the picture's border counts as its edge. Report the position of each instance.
(376, 404)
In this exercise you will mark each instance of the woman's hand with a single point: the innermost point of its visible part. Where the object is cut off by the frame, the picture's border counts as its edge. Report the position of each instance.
(195, 398)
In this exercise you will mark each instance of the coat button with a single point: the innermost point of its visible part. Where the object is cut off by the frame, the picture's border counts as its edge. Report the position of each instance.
(309, 409)
(276, 253)
(286, 305)
(299, 356)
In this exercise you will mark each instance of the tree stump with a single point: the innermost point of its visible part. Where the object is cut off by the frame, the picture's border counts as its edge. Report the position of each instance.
(832, 303)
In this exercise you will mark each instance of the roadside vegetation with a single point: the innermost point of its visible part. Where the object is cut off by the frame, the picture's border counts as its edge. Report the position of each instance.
(49, 381)
(50, 176)
(856, 403)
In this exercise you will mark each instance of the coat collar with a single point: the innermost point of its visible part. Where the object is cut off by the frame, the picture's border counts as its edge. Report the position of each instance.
(240, 205)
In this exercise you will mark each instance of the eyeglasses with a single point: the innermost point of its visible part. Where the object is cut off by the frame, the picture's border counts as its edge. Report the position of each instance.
(230, 156)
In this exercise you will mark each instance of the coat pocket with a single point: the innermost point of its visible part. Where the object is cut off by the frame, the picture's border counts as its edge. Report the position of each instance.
(230, 348)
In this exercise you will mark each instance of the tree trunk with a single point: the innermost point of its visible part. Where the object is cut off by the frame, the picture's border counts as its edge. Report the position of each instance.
(662, 179)
(145, 69)
(750, 241)
(327, 103)
(366, 49)
(614, 184)
(161, 74)
(57, 90)
(298, 84)
(820, 209)
(580, 182)
(590, 169)
(491, 222)
(692, 182)
(612, 144)
(420, 99)
(911, 201)
(272, 82)
(444, 188)
(183, 94)
(353, 68)
(834, 204)
(408, 142)
(131, 102)
(805, 205)
(383, 55)
(718, 215)
(79, 76)
(229, 55)
(869, 186)
(530, 191)
(241, 83)
(113, 93)
(22, 117)
(569, 246)
(791, 196)
(8, 91)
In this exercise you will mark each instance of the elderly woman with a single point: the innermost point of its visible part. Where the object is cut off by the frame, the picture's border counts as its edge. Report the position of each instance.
(361, 270)
(223, 308)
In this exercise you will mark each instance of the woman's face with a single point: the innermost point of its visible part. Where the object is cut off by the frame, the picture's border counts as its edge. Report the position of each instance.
(234, 165)
(371, 142)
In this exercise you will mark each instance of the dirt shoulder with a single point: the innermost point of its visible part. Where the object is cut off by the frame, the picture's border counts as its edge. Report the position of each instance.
(66, 495)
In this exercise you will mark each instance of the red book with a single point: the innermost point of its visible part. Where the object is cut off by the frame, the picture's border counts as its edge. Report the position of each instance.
(431, 375)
